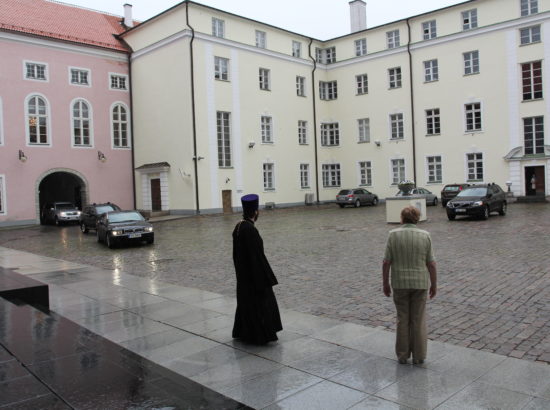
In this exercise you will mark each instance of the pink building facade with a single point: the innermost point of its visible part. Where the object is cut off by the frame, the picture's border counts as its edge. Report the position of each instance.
(65, 119)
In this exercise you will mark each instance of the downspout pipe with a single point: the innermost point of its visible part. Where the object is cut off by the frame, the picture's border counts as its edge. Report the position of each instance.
(413, 126)
(193, 111)
(314, 121)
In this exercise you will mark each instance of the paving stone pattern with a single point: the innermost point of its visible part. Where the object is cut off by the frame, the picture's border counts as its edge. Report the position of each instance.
(493, 275)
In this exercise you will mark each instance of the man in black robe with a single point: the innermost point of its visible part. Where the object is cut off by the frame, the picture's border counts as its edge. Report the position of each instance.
(257, 318)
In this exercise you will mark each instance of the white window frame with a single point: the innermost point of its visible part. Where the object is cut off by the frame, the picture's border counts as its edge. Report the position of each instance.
(261, 39)
(3, 199)
(268, 176)
(266, 129)
(434, 169)
(128, 128)
(397, 126)
(302, 132)
(300, 86)
(473, 112)
(429, 30)
(48, 117)
(218, 27)
(364, 169)
(331, 175)
(360, 47)
(528, 7)
(264, 79)
(328, 90)
(530, 35)
(533, 84)
(399, 165)
(304, 176)
(363, 130)
(119, 76)
(393, 39)
(36, 63)
(80, 70)
(330, 134)
(90, 124)
(433, 121)
(534, 147)
(431, 71)
(362, 83)
(325, 55)
(474, 162)
(394, 78)
(223, 141)
(469, 19)
(221, 68)
(296, 49)
(471, 62)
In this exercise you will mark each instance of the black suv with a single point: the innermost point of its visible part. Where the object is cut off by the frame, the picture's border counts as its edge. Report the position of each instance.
(449, 191)
(478, 200)
(90, 214)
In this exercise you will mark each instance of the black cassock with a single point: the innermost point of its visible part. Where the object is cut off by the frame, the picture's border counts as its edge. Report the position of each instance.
(257, 318)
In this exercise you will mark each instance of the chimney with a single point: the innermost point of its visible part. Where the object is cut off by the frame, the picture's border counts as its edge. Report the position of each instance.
(358, 15)
(128, 22)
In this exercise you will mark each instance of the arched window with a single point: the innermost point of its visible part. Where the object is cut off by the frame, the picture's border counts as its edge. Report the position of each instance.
(37, 120)
(81, 123)
(120, 126)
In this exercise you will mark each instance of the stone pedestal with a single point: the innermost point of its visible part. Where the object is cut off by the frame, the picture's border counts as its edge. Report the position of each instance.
(395, 204)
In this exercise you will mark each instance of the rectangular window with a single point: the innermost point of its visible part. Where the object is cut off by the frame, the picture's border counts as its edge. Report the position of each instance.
(469, 19)
(325, 55)
(397, 171)
(304, 176)
(365, 173)
(471, 62)
(300, 86)
(435, 174)
(531, 74)
(331, 175)
(302, 132)
(224, 138)
(396, 121)
(296, 49)
(473, 117)
(363, 126)
(218, 27)
(264, 79)
(79, 76)
(260, 39)
(431, 71)
(394, 75)
(35, 71)
(533, 134)
(361, 47)
(529, 35)
(429, 30)
(529, 7)
(392, 38)
(330, 134)
(328, 90)
(118, 82)
(433, 122)
(267, 129)
(475, 166)
(362, 82)
(221, 68)
(2, 196)
(269, 177)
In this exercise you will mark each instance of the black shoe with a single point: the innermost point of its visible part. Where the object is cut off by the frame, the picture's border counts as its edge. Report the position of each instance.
(403, 361)
(418, 361)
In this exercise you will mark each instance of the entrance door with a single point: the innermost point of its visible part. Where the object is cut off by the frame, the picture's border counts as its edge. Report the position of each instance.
(156, 203)
(226, 200)
(535, 183)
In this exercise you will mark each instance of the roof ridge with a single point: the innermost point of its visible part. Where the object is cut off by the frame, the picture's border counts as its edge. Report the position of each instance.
(83, 8)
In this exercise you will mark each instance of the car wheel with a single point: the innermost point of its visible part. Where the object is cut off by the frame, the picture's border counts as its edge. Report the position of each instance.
(341, 205)
(357, 203)
(502, 211)
(485, 215)
(451, 217)
(109, 242)
(83, 227)
(435, 201)
(375, 201)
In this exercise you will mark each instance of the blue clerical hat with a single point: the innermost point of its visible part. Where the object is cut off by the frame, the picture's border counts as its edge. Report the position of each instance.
(250, 203)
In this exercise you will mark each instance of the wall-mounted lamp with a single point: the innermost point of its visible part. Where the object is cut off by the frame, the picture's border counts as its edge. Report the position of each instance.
(251, 144)
(197, 158)
(22, 156)
(377, 142)
(227, 180)
(101, 156)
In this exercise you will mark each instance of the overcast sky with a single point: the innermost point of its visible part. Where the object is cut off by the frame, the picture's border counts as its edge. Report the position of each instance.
(321, 19)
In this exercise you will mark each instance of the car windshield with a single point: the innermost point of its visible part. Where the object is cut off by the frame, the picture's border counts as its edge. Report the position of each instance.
(344, 192)
(451, 188)
(105, 208)
(64, 205)
(473, 192)
(125, 217)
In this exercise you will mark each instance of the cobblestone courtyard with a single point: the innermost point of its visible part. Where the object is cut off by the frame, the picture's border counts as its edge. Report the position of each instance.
(494, 275)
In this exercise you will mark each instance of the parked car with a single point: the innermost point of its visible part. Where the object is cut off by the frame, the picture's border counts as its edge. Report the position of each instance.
(449, 191)
(431, 199)
(116, 227)
(59, 213)
(478, 200)
(356, 197)
(90, 214)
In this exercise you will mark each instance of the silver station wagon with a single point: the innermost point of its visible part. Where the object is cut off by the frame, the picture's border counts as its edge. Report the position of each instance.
(356, 197)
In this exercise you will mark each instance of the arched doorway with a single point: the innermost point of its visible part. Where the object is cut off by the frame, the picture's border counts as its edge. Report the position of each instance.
(62, 185)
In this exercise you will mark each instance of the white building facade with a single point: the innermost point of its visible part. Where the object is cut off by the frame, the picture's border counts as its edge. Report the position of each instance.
(225, 106)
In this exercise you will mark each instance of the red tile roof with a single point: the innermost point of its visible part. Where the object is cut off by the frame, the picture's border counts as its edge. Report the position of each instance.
(61, 21)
